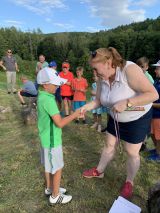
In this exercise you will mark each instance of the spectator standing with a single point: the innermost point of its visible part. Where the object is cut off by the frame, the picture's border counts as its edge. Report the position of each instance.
(58, 97)
(155, 124)
(98, 111)
(9, 64)
(66, 89)
(42, 63)
(79, 86)
(143, 63)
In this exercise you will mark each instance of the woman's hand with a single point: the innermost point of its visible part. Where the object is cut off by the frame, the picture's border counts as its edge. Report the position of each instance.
(83, 110)
(120, 106)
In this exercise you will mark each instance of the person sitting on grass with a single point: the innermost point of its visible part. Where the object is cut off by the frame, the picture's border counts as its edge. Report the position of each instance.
(79, 86)
(28, 90)
(49, 125)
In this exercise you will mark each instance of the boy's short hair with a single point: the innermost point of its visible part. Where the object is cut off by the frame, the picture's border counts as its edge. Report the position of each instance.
(143, 60)
(79, 68)
(23, 77)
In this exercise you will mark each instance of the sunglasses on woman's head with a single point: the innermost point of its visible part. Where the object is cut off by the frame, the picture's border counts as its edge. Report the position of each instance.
(9, 52)
(93, 54)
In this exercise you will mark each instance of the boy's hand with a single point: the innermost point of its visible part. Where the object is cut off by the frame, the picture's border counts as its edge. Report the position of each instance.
(77, 113)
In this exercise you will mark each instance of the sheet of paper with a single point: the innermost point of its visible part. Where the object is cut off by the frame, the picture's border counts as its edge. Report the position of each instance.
(122, 205)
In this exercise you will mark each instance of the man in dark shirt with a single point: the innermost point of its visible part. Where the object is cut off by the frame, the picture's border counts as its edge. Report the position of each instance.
(9, 64)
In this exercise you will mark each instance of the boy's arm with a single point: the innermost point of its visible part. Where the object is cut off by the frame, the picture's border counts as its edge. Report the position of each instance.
(93, 93)
(16, 65)
(61, 122)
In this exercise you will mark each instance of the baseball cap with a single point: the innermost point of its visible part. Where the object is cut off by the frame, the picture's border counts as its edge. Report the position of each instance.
(65, 65)
(157, 64)
(49, 76)
(52, 64)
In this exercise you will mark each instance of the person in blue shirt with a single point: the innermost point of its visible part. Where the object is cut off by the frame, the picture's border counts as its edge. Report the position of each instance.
(53, 65)
(28, 90)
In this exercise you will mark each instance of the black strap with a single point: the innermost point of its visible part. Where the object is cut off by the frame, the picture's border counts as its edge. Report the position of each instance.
(60, 199)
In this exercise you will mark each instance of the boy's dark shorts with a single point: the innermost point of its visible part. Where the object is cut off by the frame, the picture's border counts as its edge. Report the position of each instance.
(26, 94)
(67, 97)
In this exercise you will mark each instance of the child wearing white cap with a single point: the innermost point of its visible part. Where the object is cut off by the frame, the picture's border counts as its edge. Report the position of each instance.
(49, 125)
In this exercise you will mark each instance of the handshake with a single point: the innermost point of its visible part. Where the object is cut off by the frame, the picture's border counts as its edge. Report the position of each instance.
(79, 113)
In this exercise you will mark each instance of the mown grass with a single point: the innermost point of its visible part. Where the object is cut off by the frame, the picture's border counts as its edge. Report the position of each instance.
(21, 176)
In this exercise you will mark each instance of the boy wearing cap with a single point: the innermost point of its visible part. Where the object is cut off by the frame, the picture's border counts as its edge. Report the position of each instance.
(49, 125)
(66, 89)
(58, 97)
(155, 123)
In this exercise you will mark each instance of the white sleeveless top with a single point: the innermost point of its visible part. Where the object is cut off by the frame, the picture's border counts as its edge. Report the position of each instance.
(119, 90)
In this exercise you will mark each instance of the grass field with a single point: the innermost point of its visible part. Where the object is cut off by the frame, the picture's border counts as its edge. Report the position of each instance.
(21, 176)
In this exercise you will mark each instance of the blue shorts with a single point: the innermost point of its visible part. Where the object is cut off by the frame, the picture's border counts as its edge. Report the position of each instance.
(105, 109)
(97, 111)
(78, 104)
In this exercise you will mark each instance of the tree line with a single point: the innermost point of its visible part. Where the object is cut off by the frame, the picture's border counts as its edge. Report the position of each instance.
(132, 41)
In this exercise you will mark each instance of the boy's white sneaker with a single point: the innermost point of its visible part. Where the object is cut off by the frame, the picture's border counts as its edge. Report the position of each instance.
(61, 198)
(49, 191)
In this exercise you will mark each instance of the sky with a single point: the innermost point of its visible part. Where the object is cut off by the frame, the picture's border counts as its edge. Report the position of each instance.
(75, 16)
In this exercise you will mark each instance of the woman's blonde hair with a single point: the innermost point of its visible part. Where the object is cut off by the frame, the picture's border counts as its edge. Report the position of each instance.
(104, 54)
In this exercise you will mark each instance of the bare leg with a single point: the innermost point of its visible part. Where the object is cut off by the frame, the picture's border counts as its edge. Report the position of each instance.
(56, 182)
(133, 162)
(107, 153)
(70, 111)
(156, 143)
(158, 147)
(66, 109)
(48, 180)
(154, 139)
(94, 117)
(99, 119)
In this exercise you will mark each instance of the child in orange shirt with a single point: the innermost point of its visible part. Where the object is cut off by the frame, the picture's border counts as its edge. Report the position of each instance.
(66, 89)
(79, 86)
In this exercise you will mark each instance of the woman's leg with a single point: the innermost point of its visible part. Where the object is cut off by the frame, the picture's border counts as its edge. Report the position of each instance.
(70, 110)
(107, 153)
(133, 161)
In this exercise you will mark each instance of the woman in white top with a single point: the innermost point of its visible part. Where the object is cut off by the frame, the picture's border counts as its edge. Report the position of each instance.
(122, 86)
